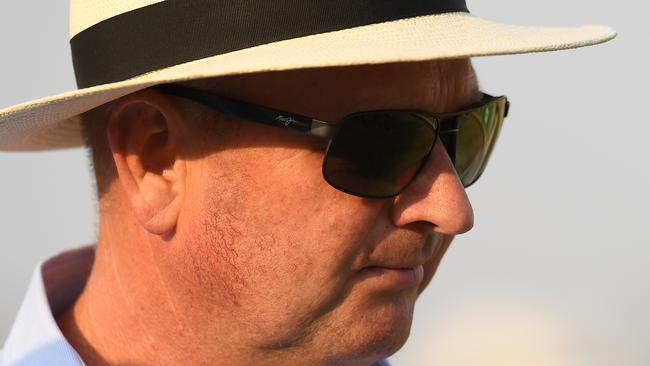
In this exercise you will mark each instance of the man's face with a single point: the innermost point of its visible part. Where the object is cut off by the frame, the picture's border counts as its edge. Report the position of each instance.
(294, 263)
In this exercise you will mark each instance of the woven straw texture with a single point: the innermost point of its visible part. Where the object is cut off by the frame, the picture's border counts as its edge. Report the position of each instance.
(84, 14)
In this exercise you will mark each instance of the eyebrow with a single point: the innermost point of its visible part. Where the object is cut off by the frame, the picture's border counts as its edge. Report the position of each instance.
(463, 92)
(475, 96)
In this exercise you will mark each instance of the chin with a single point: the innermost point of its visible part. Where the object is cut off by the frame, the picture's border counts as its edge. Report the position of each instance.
(376, 346)
(381, 331)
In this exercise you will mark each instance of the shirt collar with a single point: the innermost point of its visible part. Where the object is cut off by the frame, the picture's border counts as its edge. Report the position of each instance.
(35, 338)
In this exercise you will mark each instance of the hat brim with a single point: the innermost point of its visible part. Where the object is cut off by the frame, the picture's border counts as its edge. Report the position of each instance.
(53, 122)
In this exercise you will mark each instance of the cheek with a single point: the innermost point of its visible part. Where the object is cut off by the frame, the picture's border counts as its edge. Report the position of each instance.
(275, 232)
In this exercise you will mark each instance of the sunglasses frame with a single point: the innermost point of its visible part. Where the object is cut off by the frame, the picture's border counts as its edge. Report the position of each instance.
(312, 126)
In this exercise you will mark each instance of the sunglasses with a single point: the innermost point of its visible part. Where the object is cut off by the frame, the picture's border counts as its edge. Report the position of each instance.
(376, 154)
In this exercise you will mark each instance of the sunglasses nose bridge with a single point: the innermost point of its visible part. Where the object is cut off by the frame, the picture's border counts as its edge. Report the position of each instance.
(432, 119)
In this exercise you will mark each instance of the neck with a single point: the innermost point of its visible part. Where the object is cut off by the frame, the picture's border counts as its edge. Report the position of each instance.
(133, 312)
(127, 313)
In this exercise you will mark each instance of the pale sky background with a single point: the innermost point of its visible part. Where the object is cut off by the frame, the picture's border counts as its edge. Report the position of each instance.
(556, 270)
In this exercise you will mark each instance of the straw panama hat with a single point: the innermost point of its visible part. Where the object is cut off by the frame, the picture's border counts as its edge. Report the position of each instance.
(122, 46)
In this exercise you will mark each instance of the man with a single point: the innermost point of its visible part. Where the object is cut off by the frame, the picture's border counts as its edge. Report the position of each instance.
(277, 183)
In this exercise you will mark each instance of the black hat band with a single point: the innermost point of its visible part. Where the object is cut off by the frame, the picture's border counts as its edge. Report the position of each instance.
(173, 32)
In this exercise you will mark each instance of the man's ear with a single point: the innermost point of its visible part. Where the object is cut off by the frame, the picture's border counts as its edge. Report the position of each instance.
(144, 131)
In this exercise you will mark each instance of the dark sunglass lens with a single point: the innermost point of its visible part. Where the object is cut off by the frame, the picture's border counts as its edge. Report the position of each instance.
(476, 134)
(377, 154)
(470, 145)
(499, 108)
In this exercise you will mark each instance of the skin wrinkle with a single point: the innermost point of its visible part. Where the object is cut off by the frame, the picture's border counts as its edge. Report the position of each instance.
(127, 298)
(168, 296)
(261, 263)
(320, 314)
(120, 286)
(318, 317)
(92, 323)
(319, 310)
(124, 296)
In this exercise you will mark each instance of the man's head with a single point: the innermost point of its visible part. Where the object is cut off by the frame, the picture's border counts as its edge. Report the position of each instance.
(220, 241)
(237, 222)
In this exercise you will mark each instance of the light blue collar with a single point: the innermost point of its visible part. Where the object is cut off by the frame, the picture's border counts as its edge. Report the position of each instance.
(35, 339)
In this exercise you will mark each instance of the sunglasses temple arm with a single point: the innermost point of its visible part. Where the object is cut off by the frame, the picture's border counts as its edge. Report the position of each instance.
(277, 118)
(253, 113)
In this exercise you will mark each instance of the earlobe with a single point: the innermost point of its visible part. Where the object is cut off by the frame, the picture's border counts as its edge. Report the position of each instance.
(159, 212)
(143, 133)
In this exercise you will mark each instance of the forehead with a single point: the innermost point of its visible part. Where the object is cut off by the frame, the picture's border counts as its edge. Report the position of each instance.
(332, 93)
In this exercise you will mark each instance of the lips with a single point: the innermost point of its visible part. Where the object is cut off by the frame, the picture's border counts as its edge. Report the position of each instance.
(397, 262)
(398, 277)
(400, 260)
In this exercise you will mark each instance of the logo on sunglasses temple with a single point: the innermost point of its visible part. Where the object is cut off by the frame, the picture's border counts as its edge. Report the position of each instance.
(286, 121)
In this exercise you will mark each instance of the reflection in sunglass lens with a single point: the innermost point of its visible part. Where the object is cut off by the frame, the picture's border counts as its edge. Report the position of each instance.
(475, 133)
(471, 143)
(492, 133)
(377, 154)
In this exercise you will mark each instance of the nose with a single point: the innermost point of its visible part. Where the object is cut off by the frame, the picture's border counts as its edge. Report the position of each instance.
(436, 196)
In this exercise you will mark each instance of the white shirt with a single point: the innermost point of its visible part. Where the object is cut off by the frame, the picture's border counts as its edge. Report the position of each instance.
(35, 339)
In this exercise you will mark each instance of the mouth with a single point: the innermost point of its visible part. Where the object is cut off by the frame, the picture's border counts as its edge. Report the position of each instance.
(393, 277)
